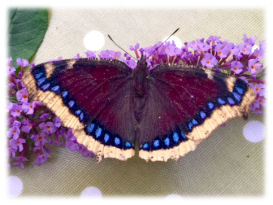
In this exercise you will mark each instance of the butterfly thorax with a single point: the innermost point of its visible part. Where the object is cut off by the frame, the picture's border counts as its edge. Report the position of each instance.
(140, 87)
(140, 75)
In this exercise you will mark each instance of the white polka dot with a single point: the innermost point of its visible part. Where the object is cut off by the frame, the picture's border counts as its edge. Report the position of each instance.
(94, 40)
(176, 40)
(15, 186)
(91, 192)
(174, 196)
(254, 131)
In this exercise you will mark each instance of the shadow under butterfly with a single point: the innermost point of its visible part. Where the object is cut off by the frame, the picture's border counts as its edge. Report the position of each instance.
(168, 110)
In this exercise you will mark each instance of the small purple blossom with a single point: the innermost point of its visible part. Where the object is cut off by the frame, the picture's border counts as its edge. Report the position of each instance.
(213, 39)
(19, 161)
(172, 50)
(47, 127)
(39, 139)
(44, 116)
(16, 123)
(28, 108)
(209, 61)
(203, 47)
(254, 66)
(223, 49)
(131, 63)
(16, 110)
(234, 50)
(193, 45)
(27, 126)
(259, 89)
(249, 41)
(17, 144)
(237, 67)
(11, 70)
(22, 62)
(71, 141)
(41, 158)
(134, 48)
(245, 48)
(14, 132)
(57, 122)
(22, 95)
(90, 54)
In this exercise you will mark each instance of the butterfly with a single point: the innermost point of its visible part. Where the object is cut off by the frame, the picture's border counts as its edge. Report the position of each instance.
(112, 109)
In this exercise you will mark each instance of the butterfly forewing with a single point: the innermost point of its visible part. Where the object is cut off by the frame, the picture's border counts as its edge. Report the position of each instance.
(98, 93)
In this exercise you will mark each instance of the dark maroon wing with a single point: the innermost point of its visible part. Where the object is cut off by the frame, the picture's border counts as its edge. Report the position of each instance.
(184, 105)
(95, 98)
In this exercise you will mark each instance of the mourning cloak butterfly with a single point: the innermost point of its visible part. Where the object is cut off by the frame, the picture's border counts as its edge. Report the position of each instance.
(168, 110)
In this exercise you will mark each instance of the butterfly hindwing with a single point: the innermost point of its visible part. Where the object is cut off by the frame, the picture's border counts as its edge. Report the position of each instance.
(191, 103)
(86, 95)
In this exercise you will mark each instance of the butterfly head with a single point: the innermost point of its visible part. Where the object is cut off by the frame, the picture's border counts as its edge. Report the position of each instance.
(142, 61)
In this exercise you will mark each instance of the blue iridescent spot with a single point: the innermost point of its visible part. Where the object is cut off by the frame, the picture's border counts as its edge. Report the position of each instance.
(71, 103)
(78, 112)
(156, 143)
(230, 101)
(106, 138)
(194, 122)
(55, 88)
(190, 125)
(64, 94)
(81, 116)
(183, 135)
(37, 76)
(41, 81)
(127, 144)
(221, 101)
(146, 146)
(167, 141)
(98, 132)
(202, 114)
(239, 90)
(117, 141)
(90, 128)
(175, 137)
(46, 86)
(210, 105)
(236, 96)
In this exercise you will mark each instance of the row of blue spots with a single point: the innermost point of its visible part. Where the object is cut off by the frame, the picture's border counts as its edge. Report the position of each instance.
(166, 142)
(203, 114)
(237, 97)
(105, 137)
(239, 90)
(232, 99)
(45, 84)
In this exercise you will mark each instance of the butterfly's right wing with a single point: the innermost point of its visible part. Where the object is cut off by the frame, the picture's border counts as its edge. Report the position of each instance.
(183, 107)
(93, 98)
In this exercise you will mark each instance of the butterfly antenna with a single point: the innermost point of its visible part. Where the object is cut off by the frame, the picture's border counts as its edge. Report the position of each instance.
(165, 40)
(120, 46)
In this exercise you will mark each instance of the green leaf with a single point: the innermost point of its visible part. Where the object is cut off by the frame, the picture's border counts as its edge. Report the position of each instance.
(26, 31)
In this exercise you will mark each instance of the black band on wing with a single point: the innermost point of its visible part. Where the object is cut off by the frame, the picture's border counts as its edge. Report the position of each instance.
(174, 138)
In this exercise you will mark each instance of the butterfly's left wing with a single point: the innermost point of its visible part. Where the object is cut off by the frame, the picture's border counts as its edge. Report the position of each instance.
(93, 97)
(183, 107)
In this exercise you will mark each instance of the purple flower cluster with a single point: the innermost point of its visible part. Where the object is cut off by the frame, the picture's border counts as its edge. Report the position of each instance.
(243, 60)
(33, 129)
